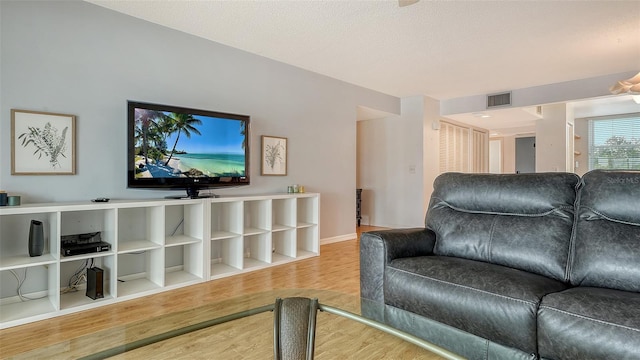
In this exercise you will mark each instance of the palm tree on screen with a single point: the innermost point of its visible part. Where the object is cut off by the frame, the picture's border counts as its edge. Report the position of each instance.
(147, 120)
(182, 124)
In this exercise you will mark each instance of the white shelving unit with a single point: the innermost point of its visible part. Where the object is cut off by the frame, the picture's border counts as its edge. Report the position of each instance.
(251, 233)
(156, 245)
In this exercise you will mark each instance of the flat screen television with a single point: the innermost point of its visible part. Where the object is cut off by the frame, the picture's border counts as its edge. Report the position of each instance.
(171, 147)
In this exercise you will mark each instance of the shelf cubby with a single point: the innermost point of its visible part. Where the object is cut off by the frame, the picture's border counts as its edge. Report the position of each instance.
(283, 214)
(184, 224)
(256, 251)
(78, 299)
(183, 264)
(39, 292)
(140, 272)
(257, 217)
(226, 219)
(307, 243)
(139, 230)
(284, 246)
(226, 256)
(307, 211)
(14, 240)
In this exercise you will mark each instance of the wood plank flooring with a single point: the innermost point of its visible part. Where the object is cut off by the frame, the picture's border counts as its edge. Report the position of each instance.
(337, 269)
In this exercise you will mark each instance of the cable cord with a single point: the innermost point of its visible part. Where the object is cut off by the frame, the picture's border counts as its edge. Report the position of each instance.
(78, 278)
(20, 283)
(177, 227)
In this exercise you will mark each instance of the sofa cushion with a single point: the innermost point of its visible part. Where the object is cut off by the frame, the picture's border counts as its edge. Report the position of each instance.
(524, 221)
(607, 243)
(491, 301)
(589, 323)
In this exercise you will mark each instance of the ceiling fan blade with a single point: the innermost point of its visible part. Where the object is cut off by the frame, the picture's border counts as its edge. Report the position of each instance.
(634, 80)
(627, 86)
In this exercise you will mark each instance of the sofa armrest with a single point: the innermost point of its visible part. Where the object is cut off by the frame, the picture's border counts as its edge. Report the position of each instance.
(378, 248)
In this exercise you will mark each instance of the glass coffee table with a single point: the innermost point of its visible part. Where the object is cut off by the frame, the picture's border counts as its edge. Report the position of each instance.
(244, 328)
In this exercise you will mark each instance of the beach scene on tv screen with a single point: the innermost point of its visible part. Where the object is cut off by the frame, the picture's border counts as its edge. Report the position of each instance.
(169, 144)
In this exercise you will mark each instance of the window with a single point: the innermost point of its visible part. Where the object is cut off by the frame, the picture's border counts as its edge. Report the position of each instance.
(614, 142)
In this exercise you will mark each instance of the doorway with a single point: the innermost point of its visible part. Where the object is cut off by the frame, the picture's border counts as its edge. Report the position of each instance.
(526, 155)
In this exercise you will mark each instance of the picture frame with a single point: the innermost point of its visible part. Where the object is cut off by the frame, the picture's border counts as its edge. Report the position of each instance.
(274, 156)
(42, 143)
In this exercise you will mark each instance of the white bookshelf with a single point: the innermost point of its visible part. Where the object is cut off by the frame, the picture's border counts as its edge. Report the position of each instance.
(251, 233)
(156, 245)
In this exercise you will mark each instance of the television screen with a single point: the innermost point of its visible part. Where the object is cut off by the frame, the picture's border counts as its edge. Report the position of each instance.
(180, 148)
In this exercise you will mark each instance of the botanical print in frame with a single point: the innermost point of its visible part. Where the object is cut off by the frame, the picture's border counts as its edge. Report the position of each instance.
(274, 155)
(42, 143)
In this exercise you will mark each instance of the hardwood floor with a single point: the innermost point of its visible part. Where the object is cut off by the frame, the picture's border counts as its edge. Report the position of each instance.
(337, 268)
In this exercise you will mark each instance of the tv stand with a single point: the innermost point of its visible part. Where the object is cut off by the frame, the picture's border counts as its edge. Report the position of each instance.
(192, 193)
(156, 245)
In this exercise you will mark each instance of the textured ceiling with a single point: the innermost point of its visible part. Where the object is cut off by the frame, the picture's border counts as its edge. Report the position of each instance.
(441, 49)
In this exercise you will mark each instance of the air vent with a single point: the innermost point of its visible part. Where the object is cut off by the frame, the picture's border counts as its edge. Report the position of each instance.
(496, 100)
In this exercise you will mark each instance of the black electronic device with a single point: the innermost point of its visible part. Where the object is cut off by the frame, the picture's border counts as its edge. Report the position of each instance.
(36, 238)
(95, 282)
(79, 249)
(172, 147)
(79, 244)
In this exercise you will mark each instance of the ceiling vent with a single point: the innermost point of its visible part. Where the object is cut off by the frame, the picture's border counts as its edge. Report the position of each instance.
(496, 100)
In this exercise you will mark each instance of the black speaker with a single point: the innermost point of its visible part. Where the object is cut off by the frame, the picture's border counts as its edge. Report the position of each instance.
(94, 283)
(36, 238)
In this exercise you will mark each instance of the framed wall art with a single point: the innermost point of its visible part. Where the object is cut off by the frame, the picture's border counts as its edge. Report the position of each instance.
(42, 143)
(274, 156)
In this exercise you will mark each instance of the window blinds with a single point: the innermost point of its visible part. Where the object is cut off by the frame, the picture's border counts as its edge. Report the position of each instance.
(463, 149)
(614, 142)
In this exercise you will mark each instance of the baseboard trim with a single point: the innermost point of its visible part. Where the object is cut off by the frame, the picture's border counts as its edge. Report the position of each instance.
(339, 238)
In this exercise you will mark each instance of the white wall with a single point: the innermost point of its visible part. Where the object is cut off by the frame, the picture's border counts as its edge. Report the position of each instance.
(397, 163)
(76, 58)
(551, 138)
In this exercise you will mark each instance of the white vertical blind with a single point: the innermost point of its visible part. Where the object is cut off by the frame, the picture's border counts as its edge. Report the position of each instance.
(463, 149)
(480, 154)
(614, 142)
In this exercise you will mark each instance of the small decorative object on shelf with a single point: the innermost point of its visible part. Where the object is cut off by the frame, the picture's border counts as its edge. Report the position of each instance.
(36, 238)
(13, 200)
(3, 198)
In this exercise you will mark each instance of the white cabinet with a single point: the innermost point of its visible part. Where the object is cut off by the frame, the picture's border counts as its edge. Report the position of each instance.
(251, 233)
(156, 245)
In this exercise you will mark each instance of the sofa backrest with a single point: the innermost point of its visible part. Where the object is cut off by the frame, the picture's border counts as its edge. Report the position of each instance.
(606, 250)
(523, 221)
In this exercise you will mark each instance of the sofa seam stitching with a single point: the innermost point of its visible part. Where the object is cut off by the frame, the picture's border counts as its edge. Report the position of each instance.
(491, 232)
(609, 218)
(551, 211)
(574, 232)
(470, 288)
(589, 318)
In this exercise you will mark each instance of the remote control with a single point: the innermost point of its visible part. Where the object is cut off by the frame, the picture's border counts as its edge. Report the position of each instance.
(100, 200)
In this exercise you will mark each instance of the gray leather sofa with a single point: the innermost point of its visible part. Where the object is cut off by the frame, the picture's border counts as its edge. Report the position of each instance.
(522, 266)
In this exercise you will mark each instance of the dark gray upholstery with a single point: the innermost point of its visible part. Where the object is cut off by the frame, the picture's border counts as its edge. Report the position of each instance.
(385, 246)
(601, 317)
(590, 323)
(484, 299)
(607, 244)
(522, 221)
(516, 266)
